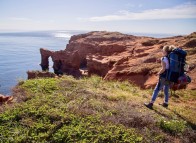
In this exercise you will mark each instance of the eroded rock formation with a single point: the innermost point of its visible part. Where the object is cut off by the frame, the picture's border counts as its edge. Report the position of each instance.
(5, 99)
(39, 74)
(63, 61)
(117, 56)
(45, 54)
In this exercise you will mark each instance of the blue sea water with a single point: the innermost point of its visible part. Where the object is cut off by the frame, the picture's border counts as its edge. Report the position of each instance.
(19, 52)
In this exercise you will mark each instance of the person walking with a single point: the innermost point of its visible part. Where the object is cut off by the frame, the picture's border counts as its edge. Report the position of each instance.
(162, 83)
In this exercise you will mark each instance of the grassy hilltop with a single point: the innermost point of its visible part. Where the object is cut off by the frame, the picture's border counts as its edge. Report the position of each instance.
(93, 110)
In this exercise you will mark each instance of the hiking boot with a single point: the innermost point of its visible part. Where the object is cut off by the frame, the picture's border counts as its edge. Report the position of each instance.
(149, 105)
(164, 104)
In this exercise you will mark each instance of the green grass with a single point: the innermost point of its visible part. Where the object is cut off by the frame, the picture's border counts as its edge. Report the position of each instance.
(46, 86)
(173, 126)
(91, 110)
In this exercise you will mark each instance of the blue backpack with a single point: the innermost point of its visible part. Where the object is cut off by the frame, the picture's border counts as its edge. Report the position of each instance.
(177, 61)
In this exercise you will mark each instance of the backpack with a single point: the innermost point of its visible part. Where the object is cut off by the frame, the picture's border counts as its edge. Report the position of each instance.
(177, 61)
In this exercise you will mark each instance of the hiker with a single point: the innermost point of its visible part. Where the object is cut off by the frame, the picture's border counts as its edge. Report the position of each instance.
(162, 83)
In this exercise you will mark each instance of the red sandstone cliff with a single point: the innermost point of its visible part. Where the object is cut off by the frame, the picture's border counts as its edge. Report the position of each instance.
(117, 56)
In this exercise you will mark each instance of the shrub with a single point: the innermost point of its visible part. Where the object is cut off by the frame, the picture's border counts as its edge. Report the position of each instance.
(150, 42)
(41, 85)
(173, 126)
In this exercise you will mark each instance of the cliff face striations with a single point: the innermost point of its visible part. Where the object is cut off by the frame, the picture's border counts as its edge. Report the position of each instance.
(117, 56)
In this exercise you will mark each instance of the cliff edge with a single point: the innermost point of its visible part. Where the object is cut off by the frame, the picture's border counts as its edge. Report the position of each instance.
(117, 56)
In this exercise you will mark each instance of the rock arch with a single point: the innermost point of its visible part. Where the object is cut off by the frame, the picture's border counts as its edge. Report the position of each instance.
(45, 54)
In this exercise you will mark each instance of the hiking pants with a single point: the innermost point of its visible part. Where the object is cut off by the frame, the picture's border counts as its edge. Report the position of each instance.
(161, 84)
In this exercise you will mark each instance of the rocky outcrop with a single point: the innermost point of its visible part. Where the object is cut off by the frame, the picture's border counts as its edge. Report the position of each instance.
(5, 99)
(191, 43)
(45, 54)
(63, 61)
(117, 56)
(150, 42)
(39, 74)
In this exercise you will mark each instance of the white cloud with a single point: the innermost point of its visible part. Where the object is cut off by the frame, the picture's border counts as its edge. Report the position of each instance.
(19, 19)
(179, 12)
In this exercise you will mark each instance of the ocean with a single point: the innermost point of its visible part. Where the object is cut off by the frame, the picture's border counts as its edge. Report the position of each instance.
(19, 52)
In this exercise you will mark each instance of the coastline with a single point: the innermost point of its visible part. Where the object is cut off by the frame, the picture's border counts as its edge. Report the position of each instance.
(27, 64)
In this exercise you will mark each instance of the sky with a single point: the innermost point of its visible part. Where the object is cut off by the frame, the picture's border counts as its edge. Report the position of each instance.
(139, 16)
